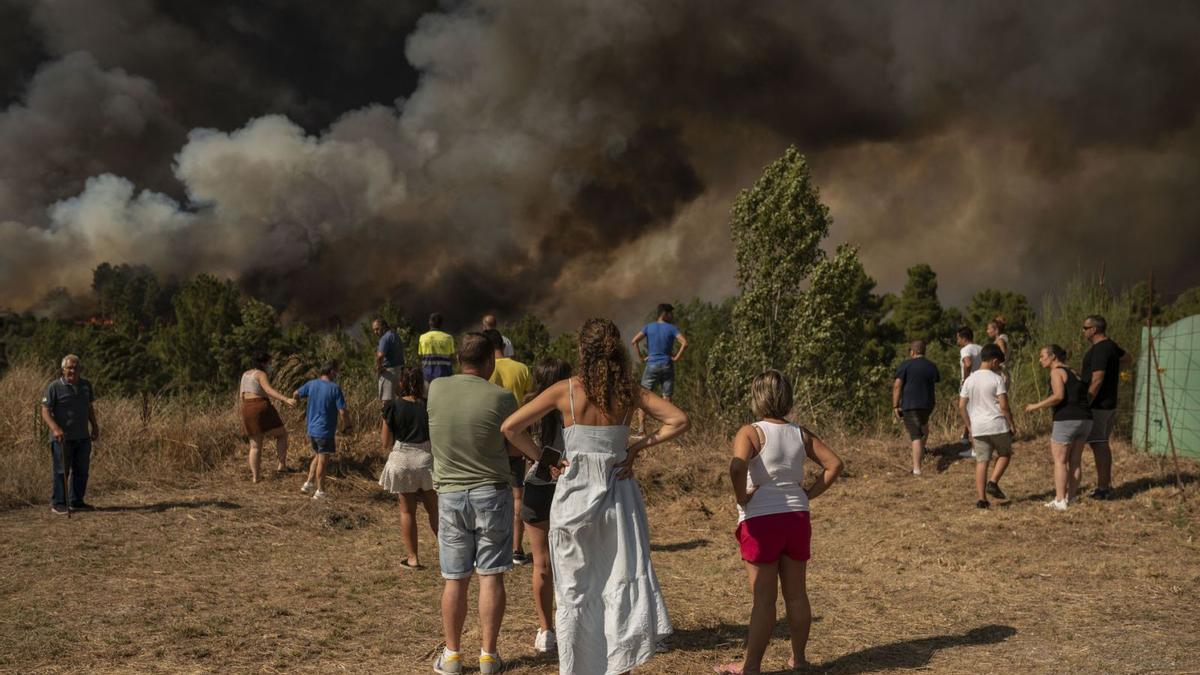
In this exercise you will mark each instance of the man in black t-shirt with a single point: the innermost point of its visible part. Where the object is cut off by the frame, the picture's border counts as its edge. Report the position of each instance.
(1101, 372)
(913, 398)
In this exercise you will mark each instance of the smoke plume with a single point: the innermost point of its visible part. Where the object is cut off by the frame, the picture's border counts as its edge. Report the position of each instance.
(572, 157)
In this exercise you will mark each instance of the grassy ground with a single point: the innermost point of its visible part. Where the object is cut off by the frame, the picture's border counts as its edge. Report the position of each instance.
(212, 573)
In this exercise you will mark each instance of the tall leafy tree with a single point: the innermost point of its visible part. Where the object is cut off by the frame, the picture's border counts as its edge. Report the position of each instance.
(918, 313)
(530, 338)
(990, 303)
(206, 309)
(777, 227)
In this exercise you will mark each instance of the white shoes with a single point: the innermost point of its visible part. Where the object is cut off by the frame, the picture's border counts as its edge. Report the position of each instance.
(966, 454)
(1057, 505)
(545, 641)
(308, 488)
(320, 494)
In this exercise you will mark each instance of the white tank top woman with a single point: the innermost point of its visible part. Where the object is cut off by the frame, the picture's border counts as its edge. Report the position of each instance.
(776, 473)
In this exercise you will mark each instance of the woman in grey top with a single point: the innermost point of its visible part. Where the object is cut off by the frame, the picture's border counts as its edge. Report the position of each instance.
(258, 415)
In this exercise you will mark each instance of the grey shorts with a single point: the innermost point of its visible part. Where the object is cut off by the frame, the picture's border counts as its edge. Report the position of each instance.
(387, 383)
(475, 531)
(1102, 425)
(1070, 431)
(915, 422)
(662, 374)
(984, 447)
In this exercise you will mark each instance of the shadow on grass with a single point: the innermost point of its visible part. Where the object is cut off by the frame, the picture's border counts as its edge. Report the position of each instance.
(680, 546)
(908, 654)
(947, 454)
(1127, 490)
(167, 506)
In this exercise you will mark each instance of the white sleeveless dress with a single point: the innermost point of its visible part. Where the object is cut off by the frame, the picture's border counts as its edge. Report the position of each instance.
(611, 614)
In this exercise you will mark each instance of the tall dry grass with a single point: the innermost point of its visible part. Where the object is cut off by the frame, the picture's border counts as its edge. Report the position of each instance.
(170, 440)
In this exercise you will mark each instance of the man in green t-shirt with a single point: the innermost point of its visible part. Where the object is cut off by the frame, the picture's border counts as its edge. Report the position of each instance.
(475, 505)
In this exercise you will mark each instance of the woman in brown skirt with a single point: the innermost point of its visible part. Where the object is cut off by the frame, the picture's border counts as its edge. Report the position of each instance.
(258, 415)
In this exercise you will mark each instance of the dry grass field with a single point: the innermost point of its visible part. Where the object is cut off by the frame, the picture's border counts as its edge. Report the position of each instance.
(188, 567)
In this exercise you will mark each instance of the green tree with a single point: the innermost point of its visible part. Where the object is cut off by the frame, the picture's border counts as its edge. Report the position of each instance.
(833, 324)
(257, 332)
(206, 310)
(129, 296)
(918, 313)
(530, 338)
(1185, 305)
(990, 303)
(777, 227)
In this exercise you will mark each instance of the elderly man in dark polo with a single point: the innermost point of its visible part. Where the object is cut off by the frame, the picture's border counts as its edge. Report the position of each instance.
(67, 409)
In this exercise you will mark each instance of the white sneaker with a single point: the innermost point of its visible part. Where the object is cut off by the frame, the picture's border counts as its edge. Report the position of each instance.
(916, 472)
(545, 641)
(320, 494)
(1057, 505)
(307, 488)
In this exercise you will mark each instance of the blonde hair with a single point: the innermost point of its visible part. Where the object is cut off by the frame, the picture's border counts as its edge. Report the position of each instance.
(771, 395)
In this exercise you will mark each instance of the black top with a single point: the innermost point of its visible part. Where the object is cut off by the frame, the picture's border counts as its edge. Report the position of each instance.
(69, 405)
(1074, 405)
(918, 377)
(1104, 355)
(408, 421)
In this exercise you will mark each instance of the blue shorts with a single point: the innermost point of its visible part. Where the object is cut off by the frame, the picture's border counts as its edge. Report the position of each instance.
(475, 531)
(322, 445)
(661, 374)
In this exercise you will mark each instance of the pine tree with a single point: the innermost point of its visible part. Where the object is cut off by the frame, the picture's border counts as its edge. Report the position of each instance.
(918, 313)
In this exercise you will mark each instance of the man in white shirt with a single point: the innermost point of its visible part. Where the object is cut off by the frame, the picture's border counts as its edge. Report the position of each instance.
(983, 404)
(968, 362)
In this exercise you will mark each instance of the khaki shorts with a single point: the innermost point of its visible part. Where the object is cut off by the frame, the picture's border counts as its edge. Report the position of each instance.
(983, 447)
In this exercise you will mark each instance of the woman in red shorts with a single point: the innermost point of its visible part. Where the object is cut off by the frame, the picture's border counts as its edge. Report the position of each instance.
(767, 471)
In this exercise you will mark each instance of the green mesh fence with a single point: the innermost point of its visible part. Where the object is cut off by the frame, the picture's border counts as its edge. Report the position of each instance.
(1178, 349)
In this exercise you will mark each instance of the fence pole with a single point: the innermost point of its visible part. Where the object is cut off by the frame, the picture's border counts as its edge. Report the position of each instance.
(1149, 341)
(1167, 417)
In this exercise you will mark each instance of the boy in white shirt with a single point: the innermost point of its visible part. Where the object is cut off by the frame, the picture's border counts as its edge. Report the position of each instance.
(983, 403)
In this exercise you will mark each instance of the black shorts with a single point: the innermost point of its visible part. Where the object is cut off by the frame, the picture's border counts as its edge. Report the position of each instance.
(535, 507)
(323, 446)
(915, 422)
(516, 468)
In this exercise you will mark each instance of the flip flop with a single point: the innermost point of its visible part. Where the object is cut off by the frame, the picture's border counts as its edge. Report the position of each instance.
(406, 565)
(732, 668)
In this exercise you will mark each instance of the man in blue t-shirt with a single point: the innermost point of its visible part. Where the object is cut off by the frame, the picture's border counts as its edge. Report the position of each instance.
(326, 408)
(660, 338)
(913, 398)
(389, 358)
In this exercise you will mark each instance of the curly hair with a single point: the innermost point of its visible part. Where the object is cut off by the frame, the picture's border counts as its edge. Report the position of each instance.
(604, 367)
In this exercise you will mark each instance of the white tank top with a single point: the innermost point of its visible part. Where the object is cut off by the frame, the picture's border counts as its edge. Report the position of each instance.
(777, 472)
(250, 384)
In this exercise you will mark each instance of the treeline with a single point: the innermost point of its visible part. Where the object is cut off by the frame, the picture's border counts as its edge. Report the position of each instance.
(814, 315)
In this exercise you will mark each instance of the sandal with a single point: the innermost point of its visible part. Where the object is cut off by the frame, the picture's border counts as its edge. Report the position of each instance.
(732, 668)
(409, 566)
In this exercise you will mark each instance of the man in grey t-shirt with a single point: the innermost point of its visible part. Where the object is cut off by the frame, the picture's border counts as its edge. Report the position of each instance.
(67, 410)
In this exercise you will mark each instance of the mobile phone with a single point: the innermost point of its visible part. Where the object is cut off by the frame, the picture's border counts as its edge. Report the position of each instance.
(550, 457)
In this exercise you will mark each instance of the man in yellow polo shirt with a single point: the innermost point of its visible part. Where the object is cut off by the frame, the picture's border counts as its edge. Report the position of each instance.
(513, 376)
(436, 350)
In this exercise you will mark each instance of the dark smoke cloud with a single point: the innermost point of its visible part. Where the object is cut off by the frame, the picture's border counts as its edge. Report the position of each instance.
(576, 157)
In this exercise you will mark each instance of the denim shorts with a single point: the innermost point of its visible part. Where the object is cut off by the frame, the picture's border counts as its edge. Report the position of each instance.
(1069, 431)
(475, 531)
(323, 446)
(660, 374)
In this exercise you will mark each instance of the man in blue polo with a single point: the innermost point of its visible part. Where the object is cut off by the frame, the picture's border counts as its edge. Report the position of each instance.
(389, 357)
(67, 410)
(660, 356)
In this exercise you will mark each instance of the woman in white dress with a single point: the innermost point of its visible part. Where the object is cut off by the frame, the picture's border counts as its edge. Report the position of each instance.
(611, 614)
